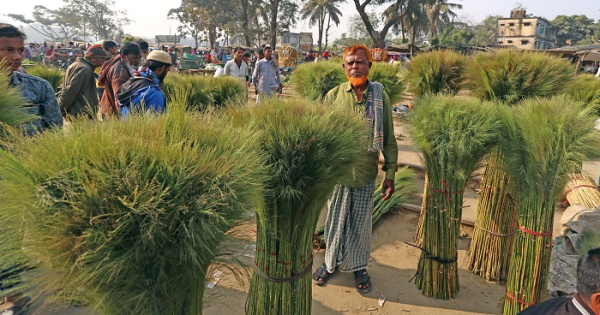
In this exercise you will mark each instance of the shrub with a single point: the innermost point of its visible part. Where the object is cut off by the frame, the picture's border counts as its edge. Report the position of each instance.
(436, 72)
(50, 74)
(510, 76)
(131, 211)
(203, 92)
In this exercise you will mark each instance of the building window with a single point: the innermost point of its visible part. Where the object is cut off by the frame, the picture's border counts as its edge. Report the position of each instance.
(511, 24)
(542, 29)
(500, 42)
(502, 24)
(527, 24)
(510, 41)
(524, 42)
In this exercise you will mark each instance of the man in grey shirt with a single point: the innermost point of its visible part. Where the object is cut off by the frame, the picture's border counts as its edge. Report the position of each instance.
(266, 75)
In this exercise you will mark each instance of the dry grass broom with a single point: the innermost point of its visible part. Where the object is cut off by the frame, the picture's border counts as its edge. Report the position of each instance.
(453, 134)
(309, 148)
(581, 189)
(545, 139)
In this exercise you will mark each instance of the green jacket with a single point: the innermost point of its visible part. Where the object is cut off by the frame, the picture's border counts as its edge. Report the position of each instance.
(344, 94)
(77, 95)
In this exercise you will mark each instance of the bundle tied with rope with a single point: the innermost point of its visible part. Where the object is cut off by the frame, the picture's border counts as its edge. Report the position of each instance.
(453, 134)
(545, 140)
(581, 189)
(308, 149)
(495, 224)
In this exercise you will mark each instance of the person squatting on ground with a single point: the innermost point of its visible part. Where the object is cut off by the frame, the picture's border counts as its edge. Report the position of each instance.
(349, 220)
(266, 76)
(587, 299)
(78, 95)
(146, 85)
(38, 92)
(114, 73)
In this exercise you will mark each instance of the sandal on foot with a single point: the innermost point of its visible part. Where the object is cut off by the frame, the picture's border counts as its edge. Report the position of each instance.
(321, 275)
(363, 281)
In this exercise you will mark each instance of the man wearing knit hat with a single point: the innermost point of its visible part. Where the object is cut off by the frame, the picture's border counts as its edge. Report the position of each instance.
(145, 86)
(77, 95)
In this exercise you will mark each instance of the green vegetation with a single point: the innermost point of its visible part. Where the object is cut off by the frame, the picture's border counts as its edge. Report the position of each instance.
(202, 92)
(436, 72)
(48, 73)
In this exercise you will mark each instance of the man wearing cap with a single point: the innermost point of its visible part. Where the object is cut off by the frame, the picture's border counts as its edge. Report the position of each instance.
(78, 95)
(116, 72)
(145, 86)
(38, 93)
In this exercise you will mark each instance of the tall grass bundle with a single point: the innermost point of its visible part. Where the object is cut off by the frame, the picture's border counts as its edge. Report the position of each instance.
(545, 139)
(453, 134)
(309, 149)
(48, 73)
(491, 245)
(12, 105)
(590, 239)
(392, 77)
(204, 92)
(582, 189)
(510, 76)
(314, 79)
(403, 187)
(436, 72)
(132, 211)
(585, 88)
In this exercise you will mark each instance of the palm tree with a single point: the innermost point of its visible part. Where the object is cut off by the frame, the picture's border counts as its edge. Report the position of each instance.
(317, 11)
(440, 11)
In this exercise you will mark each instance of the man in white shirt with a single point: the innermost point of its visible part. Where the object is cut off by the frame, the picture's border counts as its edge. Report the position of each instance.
(237, 67)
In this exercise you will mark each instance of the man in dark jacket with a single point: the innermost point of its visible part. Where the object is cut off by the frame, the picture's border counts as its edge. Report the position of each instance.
(587, 299)
(38, 93)
(78, 95)
(116, 72)
(144, 89)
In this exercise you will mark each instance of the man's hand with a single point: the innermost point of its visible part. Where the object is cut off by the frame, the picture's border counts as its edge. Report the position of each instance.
(387, 189)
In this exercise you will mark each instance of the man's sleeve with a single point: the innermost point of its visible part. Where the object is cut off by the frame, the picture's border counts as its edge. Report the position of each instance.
(390, 147)
(72, 88)
(227, 70)
(51, 115)
(121, 77)
(277, 73)
(255, 75)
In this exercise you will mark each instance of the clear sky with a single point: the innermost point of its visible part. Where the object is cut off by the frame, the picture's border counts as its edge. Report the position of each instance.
(150, 16)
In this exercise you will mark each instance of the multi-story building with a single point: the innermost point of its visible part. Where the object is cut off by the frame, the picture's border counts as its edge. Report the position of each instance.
(523, 32)
(289, 39)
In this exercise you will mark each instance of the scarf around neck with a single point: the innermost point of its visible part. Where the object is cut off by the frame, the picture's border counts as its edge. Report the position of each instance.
(374, 114)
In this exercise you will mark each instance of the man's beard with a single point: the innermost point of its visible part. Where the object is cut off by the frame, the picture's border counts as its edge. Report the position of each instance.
(358, 81)
(162, 77)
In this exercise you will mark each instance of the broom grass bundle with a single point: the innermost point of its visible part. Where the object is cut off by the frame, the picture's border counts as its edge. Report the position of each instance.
(204, 92)
(130, 213)
(403, 187)
(48, 73)
(510, 76)
(392, 77)
(590, 239)
(581, 189)
(544, 140)
(491, 245)
(12, 105)
(436, 72)
(309, 149)
(453, 134)
(585, 88)
(314, 79)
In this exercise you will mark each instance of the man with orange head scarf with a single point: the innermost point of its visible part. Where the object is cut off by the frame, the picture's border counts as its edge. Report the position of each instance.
(349, 214)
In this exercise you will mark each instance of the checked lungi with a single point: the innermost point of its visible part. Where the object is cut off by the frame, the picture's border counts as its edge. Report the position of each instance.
(348, 228)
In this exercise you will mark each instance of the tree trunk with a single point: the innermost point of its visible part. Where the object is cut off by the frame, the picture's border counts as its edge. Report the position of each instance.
(379, 37)
(212, 34)
(327, 31)
(320, 41)
(273, 32)
(245, 22)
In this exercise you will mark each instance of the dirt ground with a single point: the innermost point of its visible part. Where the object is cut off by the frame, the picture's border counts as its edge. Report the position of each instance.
(392, 265)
